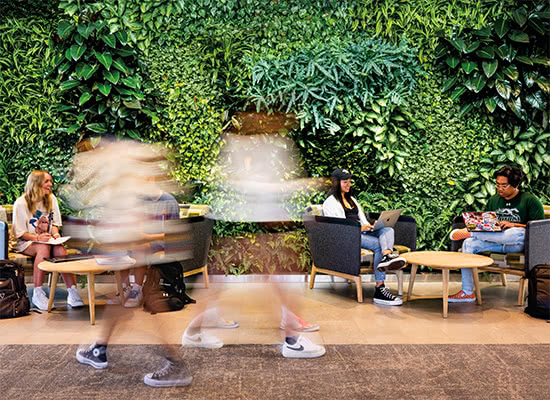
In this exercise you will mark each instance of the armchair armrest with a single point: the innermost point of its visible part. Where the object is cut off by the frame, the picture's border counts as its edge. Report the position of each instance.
(335, 243)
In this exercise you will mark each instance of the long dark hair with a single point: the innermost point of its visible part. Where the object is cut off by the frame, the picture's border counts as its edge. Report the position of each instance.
(336, 191)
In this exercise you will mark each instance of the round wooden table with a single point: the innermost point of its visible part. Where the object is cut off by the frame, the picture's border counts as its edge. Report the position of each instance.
(445, 261)
(87, 267)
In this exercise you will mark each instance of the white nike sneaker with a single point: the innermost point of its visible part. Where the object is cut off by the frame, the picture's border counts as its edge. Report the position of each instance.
(301, 347)
(201, 340)
(73, 298)
(39, 299)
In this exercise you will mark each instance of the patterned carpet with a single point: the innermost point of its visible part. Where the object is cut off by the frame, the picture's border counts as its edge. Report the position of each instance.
(259, 372)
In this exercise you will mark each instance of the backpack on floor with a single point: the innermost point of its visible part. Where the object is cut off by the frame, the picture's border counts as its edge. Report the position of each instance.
(538, 299)
(164, 289)
(14, 301)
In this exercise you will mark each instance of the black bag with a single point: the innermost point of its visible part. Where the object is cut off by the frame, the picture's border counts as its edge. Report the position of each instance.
(538, 300)
(164, 289)
(14, 301)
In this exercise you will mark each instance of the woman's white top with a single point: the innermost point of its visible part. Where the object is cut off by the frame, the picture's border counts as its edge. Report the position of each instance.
(333, 208)
(25, 222)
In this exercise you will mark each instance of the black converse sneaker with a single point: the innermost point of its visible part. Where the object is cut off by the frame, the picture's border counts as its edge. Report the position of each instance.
(94, 355)
(383, 296)
(171, 374)
(391, 262)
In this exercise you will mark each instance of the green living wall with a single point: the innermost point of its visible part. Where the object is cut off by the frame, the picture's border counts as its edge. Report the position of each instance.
(422, 100)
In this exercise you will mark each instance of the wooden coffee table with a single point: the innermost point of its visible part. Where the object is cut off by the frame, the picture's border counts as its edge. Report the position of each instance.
(87, 267)
(445, 261)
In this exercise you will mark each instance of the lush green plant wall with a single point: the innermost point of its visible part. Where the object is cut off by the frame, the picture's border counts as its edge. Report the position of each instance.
(30, 123)
(188, 66)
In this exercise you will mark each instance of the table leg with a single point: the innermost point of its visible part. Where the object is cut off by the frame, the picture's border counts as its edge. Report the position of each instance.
(414, 267)
(476, 285)
(445, 275)
(53, 286)
(118, 277)
(91, 296)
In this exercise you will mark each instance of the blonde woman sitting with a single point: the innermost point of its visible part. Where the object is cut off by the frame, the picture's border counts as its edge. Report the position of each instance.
(36, 219)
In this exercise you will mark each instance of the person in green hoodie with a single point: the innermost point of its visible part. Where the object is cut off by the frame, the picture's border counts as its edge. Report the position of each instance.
(514, 209)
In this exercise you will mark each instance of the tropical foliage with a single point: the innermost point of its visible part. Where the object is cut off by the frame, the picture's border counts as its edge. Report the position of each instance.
(421, 99)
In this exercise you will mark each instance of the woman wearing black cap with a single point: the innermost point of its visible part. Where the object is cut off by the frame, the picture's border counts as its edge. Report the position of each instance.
(341, 204)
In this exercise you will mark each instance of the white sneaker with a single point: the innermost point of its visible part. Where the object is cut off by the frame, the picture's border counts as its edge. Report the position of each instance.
(73, 298)
(116, 299)
(39, 299)
(302, 348)
(201, 340)
(135, 297)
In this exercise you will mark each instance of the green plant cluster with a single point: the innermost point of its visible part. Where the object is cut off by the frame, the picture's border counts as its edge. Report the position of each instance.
(29, 120)
(502, 66)
(178, 71)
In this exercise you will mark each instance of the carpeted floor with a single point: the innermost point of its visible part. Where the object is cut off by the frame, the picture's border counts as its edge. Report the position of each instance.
(259, 372)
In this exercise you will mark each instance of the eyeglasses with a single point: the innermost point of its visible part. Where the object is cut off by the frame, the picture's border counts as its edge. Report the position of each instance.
(502, 185)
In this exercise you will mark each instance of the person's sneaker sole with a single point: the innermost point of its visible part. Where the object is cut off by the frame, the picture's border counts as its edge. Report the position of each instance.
(461, 300)
(149, 381)
(87, 361)
(290, 353)
(393, 265)
(189, 343)
(397, 302)
(310, 329)
(76, 305)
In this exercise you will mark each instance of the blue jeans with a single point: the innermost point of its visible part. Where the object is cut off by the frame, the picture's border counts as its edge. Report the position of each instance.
(378, 241)
(509, 241)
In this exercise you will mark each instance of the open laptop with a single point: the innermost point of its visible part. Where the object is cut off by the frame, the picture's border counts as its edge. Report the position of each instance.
(68, 257)
(481, 221)
(387, 219)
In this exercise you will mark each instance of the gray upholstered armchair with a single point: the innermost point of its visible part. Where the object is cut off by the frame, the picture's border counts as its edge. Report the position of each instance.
(336, 248)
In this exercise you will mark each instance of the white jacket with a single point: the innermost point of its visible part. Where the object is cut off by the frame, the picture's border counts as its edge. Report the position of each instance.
(333, 208)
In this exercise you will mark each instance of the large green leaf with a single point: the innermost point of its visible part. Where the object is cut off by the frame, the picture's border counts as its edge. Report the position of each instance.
(452, 61)
(64, 29)
(543, 83)
(457, 44)
(449, 83)
(536, 100)
(502, 26)
(465, 109)
(479, 82)
(134, 83)
(97, 127)
(458, 92)
(511, 71)
(505, 52)
(518, 36)
(69, 84)
(110, 40)
(89, 70)
(489, 68)
(122, 37)
(469, 199)
(104, 88)
(487, 52)
(112, 76)
(520, 16)
(537, 25)
(77, 51)
(469, 66)
(504, 89)
(483, 32)
(119, 64)
(105, 59)
(525, 60)
(84, 98)
(490, 103)
(472, 47)
(85, 29)
(500, 102)
(132, 104)
(541, 60)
